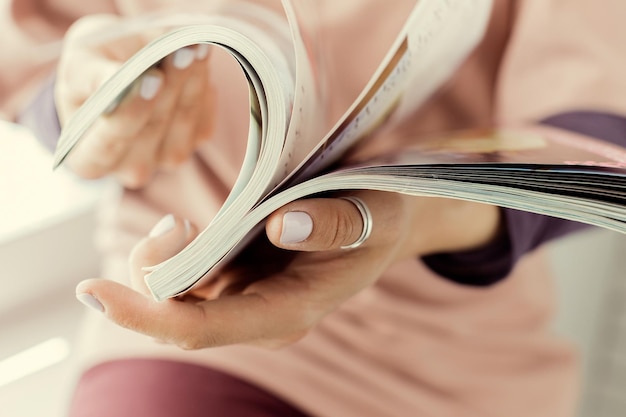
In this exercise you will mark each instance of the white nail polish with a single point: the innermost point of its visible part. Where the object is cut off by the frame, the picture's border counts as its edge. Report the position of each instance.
(149, 88)
(183, 58)
(297, 227)
(202, 51)
(164, 225)
(90, 301)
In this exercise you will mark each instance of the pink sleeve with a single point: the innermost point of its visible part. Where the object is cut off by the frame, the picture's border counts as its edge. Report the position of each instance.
(564, 55)
(30, 44)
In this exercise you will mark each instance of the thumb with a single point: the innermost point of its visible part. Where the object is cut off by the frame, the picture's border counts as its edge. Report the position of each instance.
(168, 237)
(318, 224)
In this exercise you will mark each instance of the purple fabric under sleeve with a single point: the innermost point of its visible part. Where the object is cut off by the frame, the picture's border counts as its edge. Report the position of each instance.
(41, 116)
(524, 231)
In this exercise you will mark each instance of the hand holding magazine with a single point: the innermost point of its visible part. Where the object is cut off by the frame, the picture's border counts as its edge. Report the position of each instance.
(288, 155)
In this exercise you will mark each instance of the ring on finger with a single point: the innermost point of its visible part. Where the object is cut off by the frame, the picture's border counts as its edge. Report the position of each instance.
(366, 217)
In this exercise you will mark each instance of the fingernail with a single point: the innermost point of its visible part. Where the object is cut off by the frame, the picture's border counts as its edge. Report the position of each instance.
(149, 88)
(90, 301)
(164, 225)
(183, 58)
(297, 226)
(202, 51)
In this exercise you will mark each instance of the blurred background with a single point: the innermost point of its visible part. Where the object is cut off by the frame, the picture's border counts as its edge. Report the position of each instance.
(46, 247)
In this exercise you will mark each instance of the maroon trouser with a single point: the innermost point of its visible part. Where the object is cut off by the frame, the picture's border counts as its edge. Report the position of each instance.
(161, 388)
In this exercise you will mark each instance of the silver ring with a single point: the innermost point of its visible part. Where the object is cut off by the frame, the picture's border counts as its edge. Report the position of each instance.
(366, 217)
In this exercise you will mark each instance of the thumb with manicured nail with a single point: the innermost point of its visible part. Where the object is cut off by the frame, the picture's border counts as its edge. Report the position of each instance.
(319, 224)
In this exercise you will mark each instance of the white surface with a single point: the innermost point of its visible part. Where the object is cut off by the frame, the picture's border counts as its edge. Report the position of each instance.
(46, 246)
(590, 272)
(32, 195)
(46, 221)
(584, 265)
(45, 393)
(33, 360)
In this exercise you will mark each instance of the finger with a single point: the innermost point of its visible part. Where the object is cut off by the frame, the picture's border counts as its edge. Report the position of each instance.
(142, 159)
(315, 225)
(180, 139)
(204, 126)
(168, 237)
(225, 321)
(108, 141)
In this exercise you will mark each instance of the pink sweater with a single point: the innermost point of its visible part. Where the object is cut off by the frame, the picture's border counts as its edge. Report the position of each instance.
(413, 344)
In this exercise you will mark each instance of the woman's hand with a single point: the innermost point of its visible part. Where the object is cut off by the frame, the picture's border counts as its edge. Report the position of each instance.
(157, 124)
(274, 294)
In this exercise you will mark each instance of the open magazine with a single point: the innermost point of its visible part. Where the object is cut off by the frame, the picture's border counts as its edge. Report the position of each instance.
(289, 155)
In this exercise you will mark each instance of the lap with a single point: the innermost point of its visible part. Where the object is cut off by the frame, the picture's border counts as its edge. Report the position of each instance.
(159, 388)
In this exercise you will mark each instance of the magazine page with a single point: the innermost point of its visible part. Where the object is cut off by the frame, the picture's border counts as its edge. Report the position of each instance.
(435, 39)
(540, 159)
(531, 145)
(306, 125)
